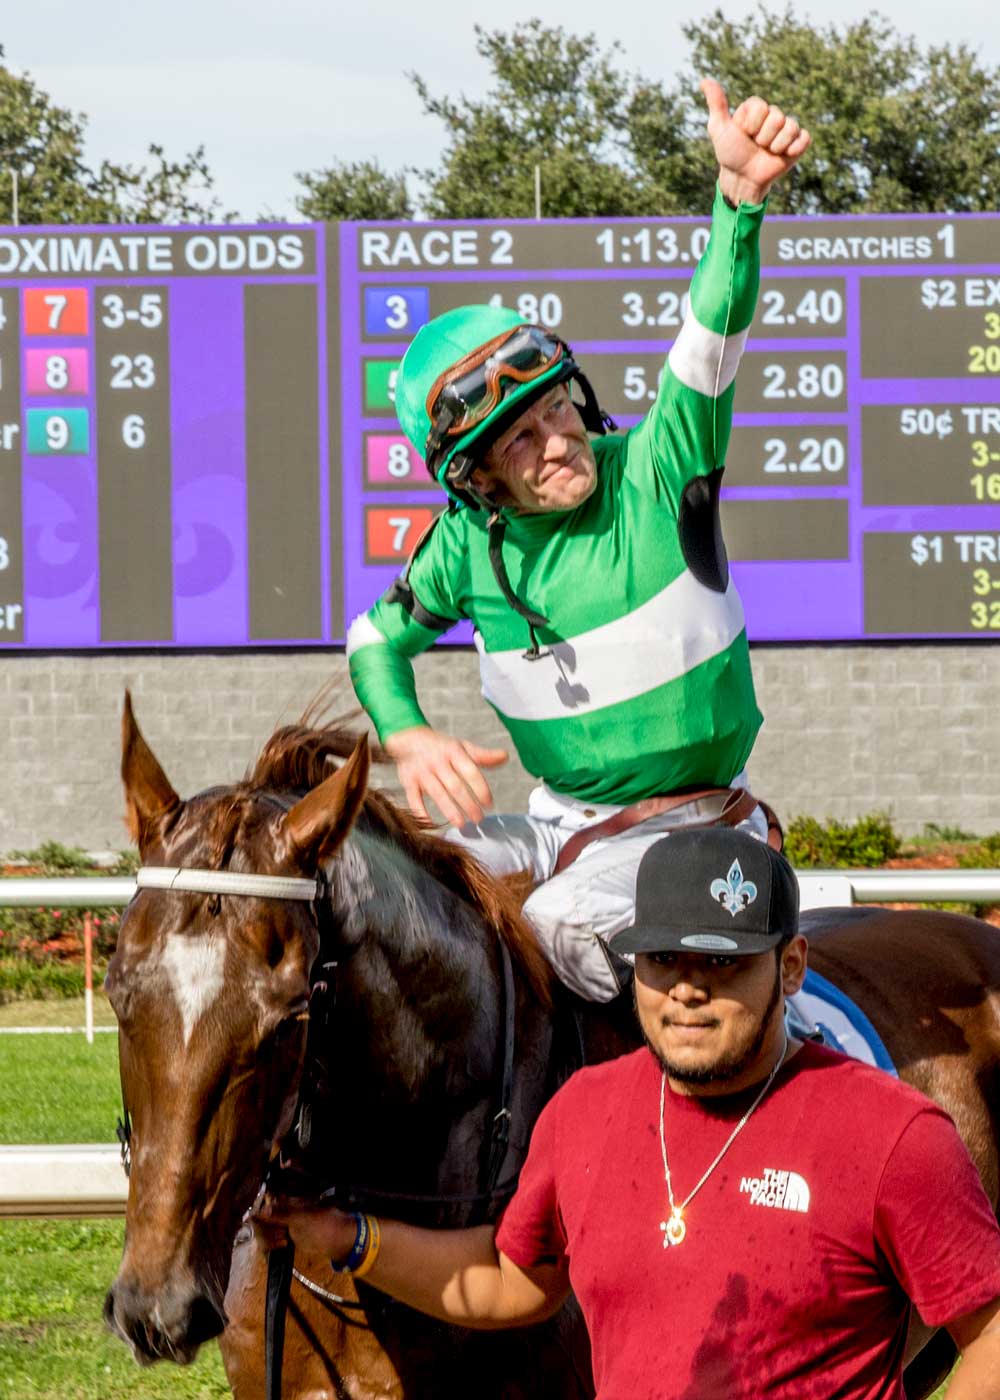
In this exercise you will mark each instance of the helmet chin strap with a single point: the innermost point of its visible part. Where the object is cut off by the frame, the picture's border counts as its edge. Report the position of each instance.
(458, 482)
(595, 420)
(496, 527)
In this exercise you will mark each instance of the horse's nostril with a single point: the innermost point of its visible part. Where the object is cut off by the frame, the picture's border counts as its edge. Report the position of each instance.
(172, 1324)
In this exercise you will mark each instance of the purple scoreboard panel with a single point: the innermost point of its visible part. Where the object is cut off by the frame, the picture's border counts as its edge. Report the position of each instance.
(166, 439)
(198, 443)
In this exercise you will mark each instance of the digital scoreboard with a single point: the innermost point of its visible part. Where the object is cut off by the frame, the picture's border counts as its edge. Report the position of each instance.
(199, 448)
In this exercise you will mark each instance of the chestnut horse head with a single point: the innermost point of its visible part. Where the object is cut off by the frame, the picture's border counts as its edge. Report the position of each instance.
(213, 994)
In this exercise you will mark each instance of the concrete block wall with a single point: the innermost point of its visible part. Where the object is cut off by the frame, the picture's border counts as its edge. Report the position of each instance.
(911, 730)
(908, 729)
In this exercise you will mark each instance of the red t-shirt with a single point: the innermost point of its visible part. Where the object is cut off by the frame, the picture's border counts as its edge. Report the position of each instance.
(846, 1195)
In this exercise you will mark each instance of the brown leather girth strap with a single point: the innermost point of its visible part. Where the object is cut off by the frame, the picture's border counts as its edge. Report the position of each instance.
(737, 806)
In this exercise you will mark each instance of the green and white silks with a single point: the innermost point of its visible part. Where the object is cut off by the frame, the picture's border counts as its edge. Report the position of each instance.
(647, 684)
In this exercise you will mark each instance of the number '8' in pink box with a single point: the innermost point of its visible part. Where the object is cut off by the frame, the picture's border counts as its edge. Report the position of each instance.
(390, 458)
(57, 371)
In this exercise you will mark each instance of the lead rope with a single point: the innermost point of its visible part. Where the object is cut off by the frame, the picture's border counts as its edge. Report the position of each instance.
(500, 1135)
(279, 1281)
(281, 1261)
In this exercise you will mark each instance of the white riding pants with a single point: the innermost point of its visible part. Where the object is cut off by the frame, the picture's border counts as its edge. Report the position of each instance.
(579, 911)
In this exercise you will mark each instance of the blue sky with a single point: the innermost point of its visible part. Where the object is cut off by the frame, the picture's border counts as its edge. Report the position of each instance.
(275, 88)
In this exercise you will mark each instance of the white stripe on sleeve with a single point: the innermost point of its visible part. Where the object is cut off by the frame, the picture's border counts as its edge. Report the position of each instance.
(703, 360)
(363, 633)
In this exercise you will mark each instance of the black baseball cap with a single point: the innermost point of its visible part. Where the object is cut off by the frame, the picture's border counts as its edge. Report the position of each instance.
(714, 890)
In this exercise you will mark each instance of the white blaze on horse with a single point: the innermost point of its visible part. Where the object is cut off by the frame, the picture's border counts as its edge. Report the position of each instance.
(328, 989)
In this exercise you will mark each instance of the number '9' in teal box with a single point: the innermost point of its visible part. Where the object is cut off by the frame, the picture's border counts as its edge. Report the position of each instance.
(63, 432)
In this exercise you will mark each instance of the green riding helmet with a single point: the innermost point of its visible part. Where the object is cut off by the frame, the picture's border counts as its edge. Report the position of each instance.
(442, 343)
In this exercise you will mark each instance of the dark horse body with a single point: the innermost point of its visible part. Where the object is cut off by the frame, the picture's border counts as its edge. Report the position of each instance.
(213, 997)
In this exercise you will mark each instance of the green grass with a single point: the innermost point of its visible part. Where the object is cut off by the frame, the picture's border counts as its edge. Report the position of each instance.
(66, 1011)
(53, 1342)
(53, 1275)
(57, 1088)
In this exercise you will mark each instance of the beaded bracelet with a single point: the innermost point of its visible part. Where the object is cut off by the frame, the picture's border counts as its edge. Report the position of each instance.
(364, 1250)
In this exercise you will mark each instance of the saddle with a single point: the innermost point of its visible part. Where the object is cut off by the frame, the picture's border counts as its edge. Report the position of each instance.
(736, 805)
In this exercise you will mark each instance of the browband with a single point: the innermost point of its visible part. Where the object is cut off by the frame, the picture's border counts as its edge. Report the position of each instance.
(184, 878)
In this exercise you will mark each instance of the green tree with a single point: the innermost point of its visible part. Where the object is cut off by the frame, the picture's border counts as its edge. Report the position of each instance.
(43, 143)
(353, 190)
(557, 102)
(895, 128)
(164, 191)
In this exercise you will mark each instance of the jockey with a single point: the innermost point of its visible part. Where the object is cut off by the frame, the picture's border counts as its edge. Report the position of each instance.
(611, 639)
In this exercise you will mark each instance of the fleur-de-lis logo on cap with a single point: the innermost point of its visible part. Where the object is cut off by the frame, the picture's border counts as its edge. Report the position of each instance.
(734, 893)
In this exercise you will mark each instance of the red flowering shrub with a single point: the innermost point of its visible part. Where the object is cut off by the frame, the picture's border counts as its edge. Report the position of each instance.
(53, 933)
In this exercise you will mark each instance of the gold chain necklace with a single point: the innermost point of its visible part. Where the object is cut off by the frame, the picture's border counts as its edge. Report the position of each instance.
(675, 1228)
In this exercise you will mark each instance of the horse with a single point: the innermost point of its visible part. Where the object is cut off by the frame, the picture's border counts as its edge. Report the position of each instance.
(314, 982)
(437, 981)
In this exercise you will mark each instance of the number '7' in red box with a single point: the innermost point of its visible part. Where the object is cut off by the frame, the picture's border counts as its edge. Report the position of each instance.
(55, 311)
(391, 532)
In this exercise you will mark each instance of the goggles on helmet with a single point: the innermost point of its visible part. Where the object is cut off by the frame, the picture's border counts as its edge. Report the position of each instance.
(467, 392)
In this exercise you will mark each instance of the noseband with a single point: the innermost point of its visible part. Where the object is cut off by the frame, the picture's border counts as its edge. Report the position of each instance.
(189, 880)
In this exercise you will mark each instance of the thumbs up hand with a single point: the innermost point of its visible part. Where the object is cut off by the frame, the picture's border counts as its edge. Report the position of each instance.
(755, 145)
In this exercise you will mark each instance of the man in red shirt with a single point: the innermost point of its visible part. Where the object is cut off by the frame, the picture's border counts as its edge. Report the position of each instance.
(739, 1215)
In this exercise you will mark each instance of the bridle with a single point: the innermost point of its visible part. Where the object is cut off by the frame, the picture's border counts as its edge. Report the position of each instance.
(190, 880)
(280, 1265)
(315, 891)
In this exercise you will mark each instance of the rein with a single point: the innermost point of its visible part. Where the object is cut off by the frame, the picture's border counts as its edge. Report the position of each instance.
(291, 1180)
(281, 1260)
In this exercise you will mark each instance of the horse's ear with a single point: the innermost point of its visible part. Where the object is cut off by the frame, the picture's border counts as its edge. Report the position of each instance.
(148, 794)
(317, 824)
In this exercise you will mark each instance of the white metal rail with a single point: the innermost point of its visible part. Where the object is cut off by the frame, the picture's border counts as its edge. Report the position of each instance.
(865, 886)
(78, 1181)
(73, 892)
(86, 1180)
(71, 1181)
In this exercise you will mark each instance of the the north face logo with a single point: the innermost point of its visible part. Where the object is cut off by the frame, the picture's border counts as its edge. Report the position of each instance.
(780, 1190)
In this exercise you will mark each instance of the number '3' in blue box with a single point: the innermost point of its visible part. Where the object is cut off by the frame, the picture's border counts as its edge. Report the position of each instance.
(58, 431)
(396, 311)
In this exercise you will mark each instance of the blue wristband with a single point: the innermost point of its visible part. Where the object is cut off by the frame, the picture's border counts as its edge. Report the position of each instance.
(358, 1249)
